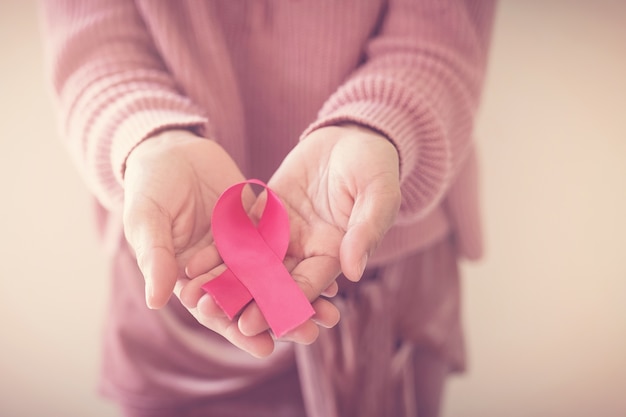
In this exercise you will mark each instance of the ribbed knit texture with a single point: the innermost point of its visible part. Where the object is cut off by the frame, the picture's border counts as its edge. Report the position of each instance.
(254, 75)
(258, 76)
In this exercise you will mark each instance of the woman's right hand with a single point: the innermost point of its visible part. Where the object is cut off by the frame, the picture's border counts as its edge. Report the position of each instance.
(171, 183)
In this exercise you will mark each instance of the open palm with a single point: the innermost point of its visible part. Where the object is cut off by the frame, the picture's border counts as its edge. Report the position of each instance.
(171, 184)
(341, 189)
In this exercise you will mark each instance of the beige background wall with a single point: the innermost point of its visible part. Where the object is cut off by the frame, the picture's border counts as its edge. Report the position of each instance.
(545, 311)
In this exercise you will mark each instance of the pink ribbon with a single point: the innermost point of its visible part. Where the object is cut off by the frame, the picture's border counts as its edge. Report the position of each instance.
(254, 258)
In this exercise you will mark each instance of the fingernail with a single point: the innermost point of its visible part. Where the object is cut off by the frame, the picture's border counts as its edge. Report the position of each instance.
(362, 265)
(149, 294)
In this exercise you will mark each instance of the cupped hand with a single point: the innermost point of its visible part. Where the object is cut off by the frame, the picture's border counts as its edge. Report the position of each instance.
(171, 184)
(341, 188)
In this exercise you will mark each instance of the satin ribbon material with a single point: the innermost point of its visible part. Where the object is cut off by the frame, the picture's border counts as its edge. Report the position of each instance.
(254, 258)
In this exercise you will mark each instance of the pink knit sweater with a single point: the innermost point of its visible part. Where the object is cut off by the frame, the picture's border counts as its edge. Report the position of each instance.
(258, 76)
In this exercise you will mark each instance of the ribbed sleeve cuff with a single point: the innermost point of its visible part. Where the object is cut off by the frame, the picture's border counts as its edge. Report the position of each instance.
(142, 125)
(412, 127)
(132, 119)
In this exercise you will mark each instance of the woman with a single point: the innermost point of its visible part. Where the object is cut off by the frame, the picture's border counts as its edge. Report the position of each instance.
(357, 114)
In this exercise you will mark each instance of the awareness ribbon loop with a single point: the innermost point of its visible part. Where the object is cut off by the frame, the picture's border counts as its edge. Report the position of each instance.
(254, 259)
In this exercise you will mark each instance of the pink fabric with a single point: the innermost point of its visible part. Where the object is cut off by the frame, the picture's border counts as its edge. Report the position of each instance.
(254, 76)
(399, 335)
(258, 76)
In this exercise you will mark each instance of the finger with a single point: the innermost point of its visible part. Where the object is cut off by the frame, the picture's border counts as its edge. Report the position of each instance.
(251, 321)
(192, 291)
(181, 282)
(315, 274)
(203, 261)
(208, 307)
(326, 314)
(331, 290)
(305, 334)
(374, 211)
(261, 345)
(210, 315)
(148, 231)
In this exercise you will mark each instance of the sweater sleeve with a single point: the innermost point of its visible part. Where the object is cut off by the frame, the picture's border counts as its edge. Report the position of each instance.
(111, 86)
(419, 86)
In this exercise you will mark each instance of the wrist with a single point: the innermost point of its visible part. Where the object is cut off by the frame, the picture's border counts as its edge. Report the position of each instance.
(351, 129)
(165, 141)
(360, 129)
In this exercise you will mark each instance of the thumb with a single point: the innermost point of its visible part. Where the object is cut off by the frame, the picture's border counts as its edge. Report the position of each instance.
(148, 231)
(373, 213)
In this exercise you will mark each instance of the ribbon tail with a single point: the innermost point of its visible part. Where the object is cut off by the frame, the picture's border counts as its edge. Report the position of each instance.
(228, 292)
